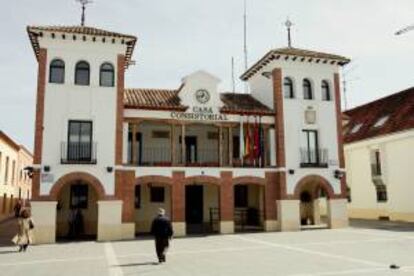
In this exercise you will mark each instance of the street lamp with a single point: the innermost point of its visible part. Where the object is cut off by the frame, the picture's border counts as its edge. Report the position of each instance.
(404, 30)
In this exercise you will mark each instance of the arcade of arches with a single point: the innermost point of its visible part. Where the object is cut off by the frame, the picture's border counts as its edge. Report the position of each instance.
(195, 204)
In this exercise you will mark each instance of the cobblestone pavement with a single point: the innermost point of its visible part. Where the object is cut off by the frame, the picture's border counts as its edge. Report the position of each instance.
(364, 249)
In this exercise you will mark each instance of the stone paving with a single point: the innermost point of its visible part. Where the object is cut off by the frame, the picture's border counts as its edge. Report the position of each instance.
(364, 249)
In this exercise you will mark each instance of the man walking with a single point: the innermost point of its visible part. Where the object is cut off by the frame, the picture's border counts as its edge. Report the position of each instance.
(161, 229)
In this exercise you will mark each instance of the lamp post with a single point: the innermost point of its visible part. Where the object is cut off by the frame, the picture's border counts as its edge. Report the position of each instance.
(405, 30)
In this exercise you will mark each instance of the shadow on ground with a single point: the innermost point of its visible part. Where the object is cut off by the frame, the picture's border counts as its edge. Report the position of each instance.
(139, 264)
(8, 228)
(396, 226)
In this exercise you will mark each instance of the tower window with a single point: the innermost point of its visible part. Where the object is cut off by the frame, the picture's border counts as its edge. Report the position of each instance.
(57, 71)
(107, 75)
(288, 88)
(307, 90)
(82, 73)
(326, 93)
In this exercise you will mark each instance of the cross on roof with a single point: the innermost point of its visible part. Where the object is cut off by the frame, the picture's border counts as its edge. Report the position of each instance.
(83, 3)
(289, 25)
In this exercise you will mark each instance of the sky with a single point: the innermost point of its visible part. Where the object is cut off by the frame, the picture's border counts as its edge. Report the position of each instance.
(178, 37)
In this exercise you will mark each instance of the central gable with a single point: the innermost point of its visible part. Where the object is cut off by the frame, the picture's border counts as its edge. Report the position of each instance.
(200, 92)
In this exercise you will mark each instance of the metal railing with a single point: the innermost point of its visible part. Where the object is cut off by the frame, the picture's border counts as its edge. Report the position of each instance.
(78, 152)
(310, 158)
(202, 157)
(245, 218)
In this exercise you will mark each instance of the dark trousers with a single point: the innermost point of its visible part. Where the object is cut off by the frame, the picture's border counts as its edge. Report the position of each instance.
(161, 244)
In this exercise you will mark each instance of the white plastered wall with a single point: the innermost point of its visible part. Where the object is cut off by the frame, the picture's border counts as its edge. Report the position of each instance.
(397, 151)
(64, 102)
(294, 115)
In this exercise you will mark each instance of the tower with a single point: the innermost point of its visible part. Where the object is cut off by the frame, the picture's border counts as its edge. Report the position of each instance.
(79, 111)
(303, 89)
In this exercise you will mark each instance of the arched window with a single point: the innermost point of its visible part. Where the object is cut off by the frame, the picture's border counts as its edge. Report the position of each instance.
(82, 73)
(326, 93)
(288, 88)
(57, 71)
(106, 75)
(307, 90)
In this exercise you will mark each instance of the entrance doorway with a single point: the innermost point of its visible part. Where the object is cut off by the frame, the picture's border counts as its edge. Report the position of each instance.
(77, 212)
(248, 208)
(313, 193)
(202, 208)
(194, 208)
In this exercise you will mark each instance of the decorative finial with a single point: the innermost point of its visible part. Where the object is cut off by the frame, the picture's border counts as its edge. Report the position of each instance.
(83, 3)
(289, 25)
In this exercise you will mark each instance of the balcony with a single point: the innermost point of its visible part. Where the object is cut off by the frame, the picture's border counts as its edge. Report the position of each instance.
(78, 153)
(313, 158)
(160, 144)
(206, 157)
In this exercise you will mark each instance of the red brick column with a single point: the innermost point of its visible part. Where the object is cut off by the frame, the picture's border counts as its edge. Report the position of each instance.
(226, 196)
(271, 194)
(125, 191)
(178, 197)
(280, 132)
(119, 109)
(40, 110)
(279, 115)
(340, 138)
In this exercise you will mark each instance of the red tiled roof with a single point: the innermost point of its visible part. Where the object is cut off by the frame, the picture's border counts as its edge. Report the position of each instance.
(164, 99)
(295, 54)
(398, 107)
(36, 31)
(238, 103)
(153, 99)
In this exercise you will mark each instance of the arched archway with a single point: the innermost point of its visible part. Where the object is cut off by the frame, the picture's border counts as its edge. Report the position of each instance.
(313, 192)
(202, 204)
(75, 176)
(151, 192)
(77, 194)
(249, 202)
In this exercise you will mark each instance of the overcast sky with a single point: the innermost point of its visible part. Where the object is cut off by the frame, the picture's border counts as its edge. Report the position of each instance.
(178, 37)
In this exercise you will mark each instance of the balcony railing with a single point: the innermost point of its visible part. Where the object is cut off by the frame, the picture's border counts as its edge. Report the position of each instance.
(161, 157)
(78, 152)
(313, 158)
(376, 170)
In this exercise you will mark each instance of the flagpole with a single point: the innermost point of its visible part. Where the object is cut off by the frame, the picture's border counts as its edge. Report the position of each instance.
(241, 140)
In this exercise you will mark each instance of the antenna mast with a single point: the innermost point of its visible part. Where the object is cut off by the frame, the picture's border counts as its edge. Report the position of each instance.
(83, 3)
(245, 42)
(232, 75)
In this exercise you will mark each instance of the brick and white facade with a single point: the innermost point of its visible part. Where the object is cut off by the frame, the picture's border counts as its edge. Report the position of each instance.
(126, 146)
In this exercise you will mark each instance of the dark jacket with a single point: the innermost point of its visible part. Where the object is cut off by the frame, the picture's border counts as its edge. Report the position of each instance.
(161, 227)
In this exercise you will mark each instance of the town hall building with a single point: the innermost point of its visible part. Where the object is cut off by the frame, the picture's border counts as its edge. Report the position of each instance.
(217, 162)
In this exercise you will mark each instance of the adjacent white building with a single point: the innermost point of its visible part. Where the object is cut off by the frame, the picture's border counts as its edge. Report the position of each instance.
(15, 182)
(379, 154)
(216, 161)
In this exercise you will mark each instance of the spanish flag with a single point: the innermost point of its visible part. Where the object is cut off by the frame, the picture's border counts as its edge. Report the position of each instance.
(247, 142)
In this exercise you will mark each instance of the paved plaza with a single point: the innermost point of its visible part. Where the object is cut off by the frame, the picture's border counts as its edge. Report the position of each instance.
(363, 249)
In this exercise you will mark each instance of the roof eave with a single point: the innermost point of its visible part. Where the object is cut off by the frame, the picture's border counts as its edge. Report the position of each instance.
(254, 69)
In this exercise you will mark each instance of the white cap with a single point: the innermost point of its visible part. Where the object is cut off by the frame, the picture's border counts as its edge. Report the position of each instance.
(161, 211)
